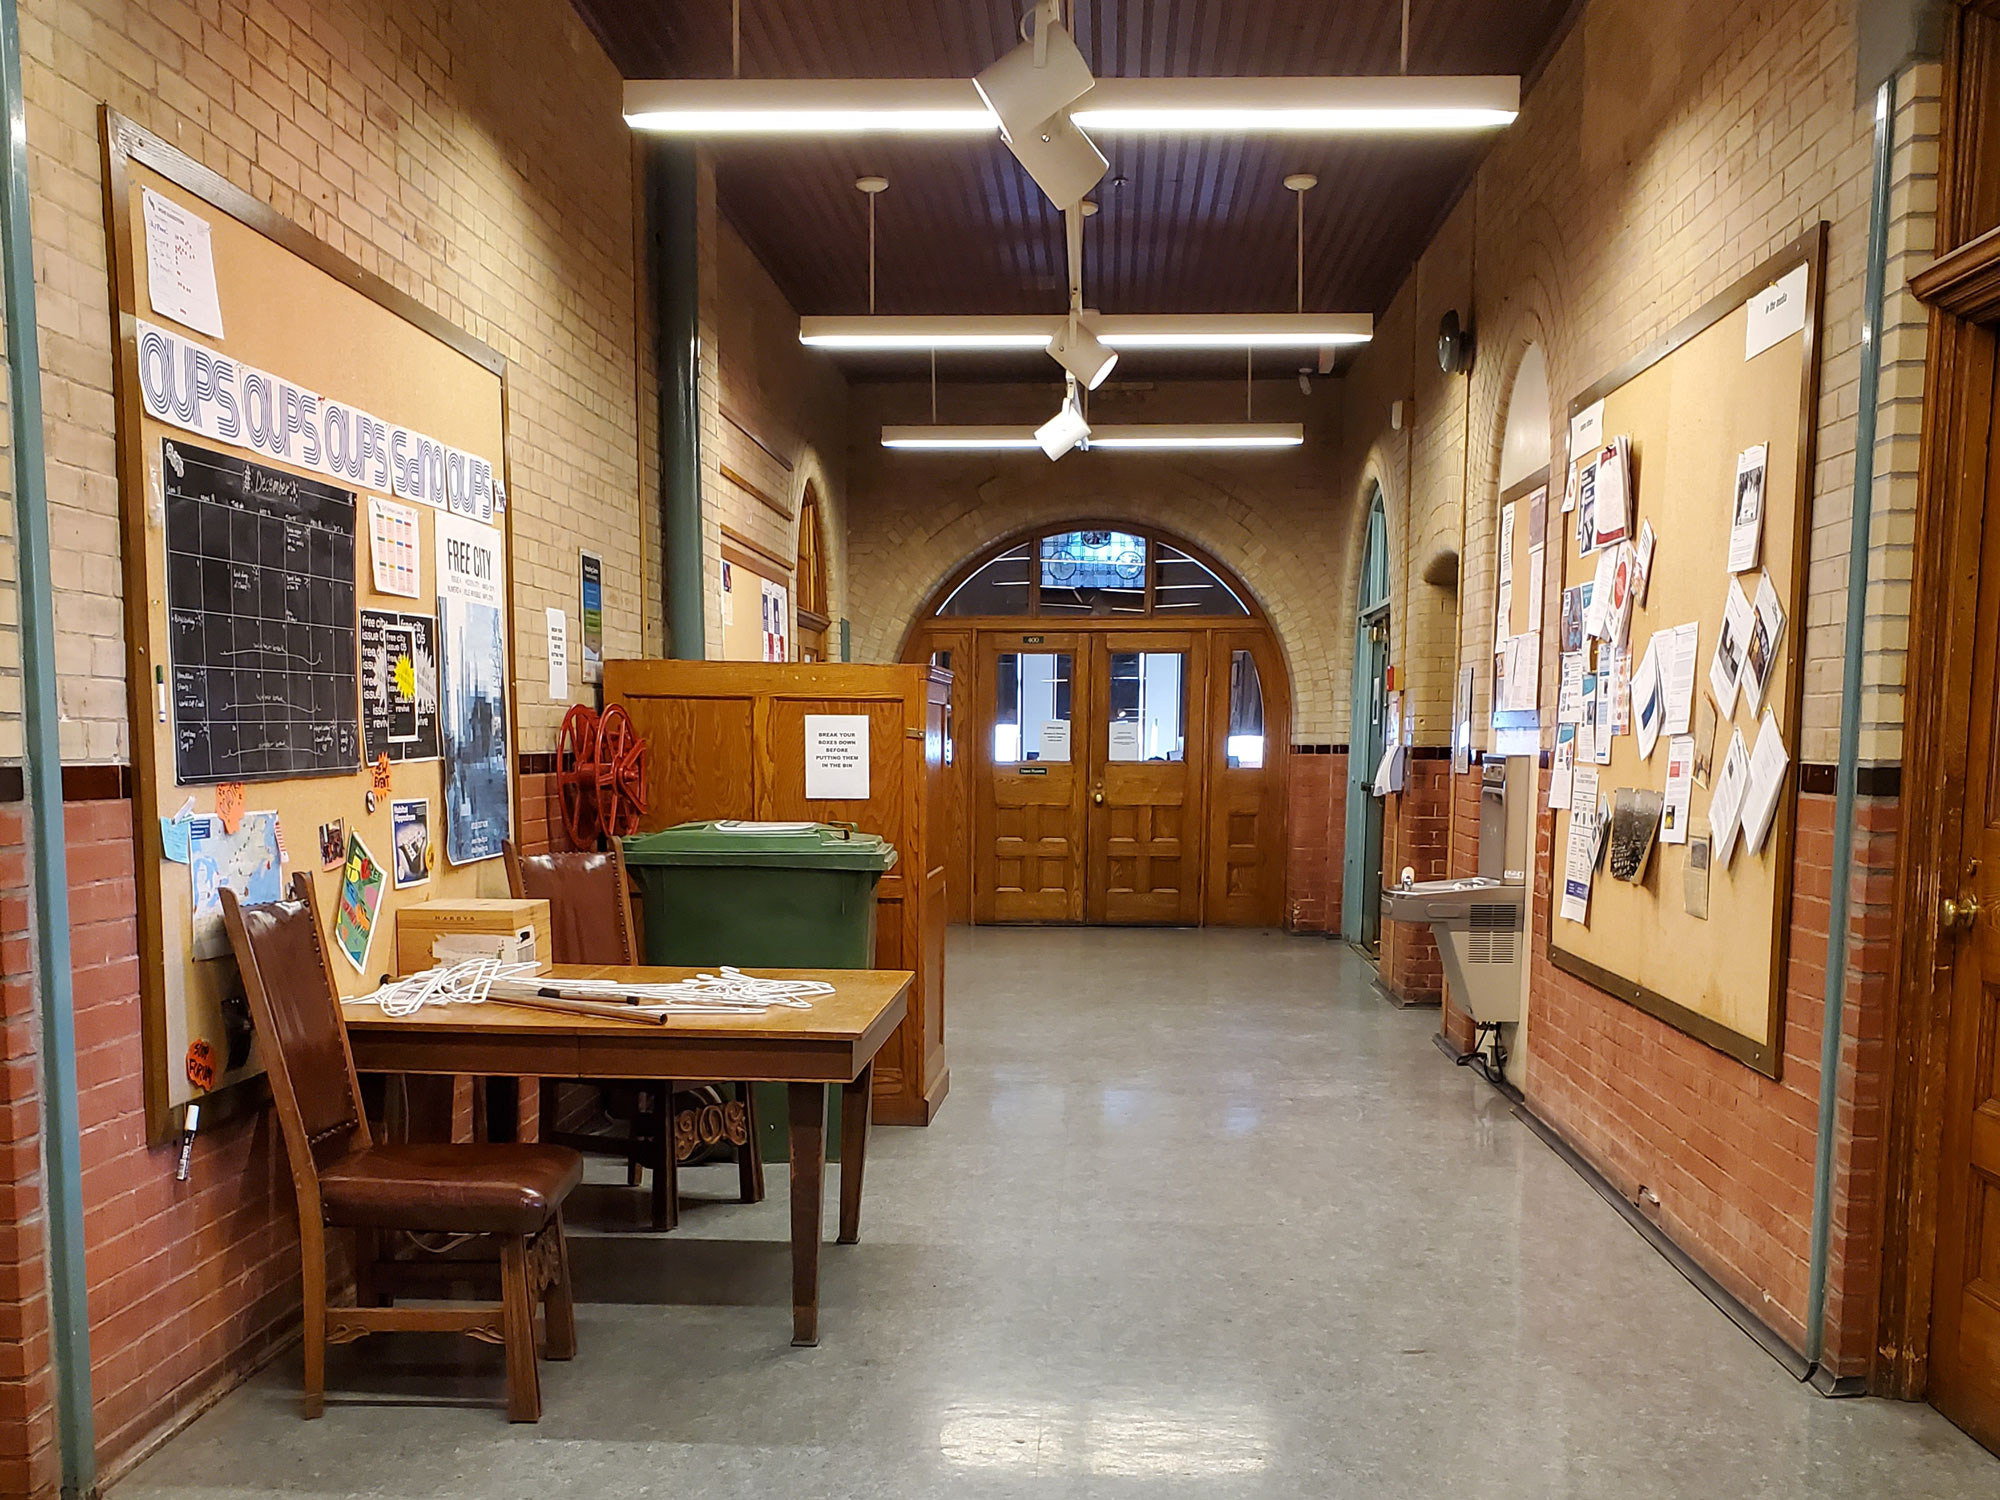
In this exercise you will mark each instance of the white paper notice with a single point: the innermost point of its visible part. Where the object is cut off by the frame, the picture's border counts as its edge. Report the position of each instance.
(1648, 541)
(1760, 646)
(1563, 771)
(393, 548)
(1596, 618)
(1125, 740)
(1537, 578)
(1649, 700)
(1569, 696)
(1726, 665)
(1777, 312)
(1507, 542)
(180, 266)
(1055, 740)
(837, 757)
(1613, 517)
(1586, 429)
(558, 656)
(1680, 790)
(1767, 779)
(1746, 520)
(1606, 724)
(1725, 803)
(1580, 858)
(1677, 666)
(1524, 673)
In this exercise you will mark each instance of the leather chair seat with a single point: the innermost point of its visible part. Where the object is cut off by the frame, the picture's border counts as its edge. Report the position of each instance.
(498, 1188)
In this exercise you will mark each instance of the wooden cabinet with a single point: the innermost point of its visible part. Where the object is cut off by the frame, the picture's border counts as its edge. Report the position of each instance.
(728, 741)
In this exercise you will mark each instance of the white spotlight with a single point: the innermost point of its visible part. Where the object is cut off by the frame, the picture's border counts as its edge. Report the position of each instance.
(1029, 90)
(1064, 430)
(1078, 351)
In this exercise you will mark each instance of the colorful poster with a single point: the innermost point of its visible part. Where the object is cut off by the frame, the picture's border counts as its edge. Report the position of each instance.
(392, 548)
(410, 831)
(361, 883)
(399, 686)
(246, 861)
(590, 612)
(472, 666)
(777, 614)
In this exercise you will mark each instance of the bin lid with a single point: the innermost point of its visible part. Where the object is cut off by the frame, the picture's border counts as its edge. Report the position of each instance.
(795, 846)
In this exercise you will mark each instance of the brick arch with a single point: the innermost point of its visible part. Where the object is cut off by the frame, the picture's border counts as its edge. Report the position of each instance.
(1288, 578)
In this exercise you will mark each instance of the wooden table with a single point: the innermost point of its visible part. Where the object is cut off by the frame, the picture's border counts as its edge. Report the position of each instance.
(834, 1042)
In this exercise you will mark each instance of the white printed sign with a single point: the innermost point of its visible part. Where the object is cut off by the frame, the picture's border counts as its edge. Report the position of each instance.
(558, 656)
(1055, 740)
(1776, 313)
(1125, 740)
(189, 386)
(836, 757)
(180, 265)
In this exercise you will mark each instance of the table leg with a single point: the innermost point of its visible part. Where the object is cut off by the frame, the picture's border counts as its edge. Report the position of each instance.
(857, 1101)
(807, 1102)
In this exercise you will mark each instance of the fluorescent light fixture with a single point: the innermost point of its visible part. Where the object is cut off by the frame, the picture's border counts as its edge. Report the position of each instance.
(1188, 106)
(1064, 430)
(1148, 331)
(1077, 351)
(1195, 106)
(1160, 436)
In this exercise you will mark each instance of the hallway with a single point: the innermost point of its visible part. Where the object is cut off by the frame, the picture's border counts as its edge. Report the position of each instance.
(1203, 1216)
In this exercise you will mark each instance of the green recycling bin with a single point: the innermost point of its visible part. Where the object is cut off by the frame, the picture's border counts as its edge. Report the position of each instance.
(761, 896)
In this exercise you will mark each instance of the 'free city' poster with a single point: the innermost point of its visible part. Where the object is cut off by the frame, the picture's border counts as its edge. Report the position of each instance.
(472, 673)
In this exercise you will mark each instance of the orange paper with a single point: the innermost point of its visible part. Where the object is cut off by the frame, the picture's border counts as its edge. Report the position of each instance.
(380, 772)
(229, 805)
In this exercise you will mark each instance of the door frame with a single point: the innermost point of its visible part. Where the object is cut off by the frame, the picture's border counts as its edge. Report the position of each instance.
(1962, 290)
(1360, 917)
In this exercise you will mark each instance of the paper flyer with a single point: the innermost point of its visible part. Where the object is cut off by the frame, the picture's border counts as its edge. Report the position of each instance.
(1680, 790)
(180, 265)
(1726, 666)
(1760, 647)
(246, 860)
(1649, 700)
(361, 883)
(1563, 769)
(1746, 524)
(410, 829)
(1766, 780)
(1580, 858)
(1725, 803)
(1682, 648)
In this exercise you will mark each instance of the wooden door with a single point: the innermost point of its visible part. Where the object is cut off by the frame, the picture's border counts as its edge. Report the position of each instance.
(1965, 1308)
(1248, 742)
(1145, 756)
(951, 651)
(1034, 695)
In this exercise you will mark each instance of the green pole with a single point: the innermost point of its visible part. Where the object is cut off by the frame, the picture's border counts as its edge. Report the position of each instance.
(68, 1308)
(671, 206)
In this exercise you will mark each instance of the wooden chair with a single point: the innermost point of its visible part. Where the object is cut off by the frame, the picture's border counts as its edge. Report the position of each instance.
(512, 1194)
(590, 922)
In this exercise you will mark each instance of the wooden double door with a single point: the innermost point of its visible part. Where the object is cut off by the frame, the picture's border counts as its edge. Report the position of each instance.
(1122, 776)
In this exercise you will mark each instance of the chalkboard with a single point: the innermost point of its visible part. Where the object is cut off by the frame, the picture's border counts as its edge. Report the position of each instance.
(260, 619)
(399, 718)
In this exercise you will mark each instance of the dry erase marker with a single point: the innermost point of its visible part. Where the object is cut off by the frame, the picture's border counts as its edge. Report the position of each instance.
(160, 692)
(188, 1125)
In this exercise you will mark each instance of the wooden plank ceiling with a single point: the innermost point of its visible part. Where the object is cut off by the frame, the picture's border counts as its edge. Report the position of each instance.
(1188, 224)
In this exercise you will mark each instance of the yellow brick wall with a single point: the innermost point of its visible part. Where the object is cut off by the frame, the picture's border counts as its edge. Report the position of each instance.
(471, 154)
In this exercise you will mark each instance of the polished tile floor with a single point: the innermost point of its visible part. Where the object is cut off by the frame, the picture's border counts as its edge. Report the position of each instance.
(1202, 1217)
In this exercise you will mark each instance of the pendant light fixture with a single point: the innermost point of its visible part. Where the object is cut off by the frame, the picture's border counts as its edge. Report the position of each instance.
(1029, 92)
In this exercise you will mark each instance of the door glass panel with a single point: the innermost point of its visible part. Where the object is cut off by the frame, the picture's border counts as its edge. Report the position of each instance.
(1147, 690)
(1031, 720)
(1245, 746)
(996, 587)
(1186, 585)
(1093, 573)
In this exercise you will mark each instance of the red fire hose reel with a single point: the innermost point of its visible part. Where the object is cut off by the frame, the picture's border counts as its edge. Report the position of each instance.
(600, 774)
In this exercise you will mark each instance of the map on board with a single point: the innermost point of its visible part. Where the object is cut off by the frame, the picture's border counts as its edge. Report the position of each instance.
(247, 862)
(260, 619)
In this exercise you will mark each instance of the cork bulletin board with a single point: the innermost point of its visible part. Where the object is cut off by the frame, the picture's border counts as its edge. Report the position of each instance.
(1689, 407)
(293, 431)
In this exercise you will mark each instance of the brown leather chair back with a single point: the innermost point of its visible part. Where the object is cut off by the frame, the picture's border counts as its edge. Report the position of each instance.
(303, 1041)
(590, 904)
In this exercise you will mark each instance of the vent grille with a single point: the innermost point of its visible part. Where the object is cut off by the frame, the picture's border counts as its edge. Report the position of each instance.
(1493, 930)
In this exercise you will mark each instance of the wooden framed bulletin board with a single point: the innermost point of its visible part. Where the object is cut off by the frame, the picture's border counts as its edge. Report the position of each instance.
(756, 596)
(1689, 407)
(317, 553)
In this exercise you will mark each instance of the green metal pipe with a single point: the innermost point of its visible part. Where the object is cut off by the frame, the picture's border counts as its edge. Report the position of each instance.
(1850, 721)
(49, 861)
(675, 269)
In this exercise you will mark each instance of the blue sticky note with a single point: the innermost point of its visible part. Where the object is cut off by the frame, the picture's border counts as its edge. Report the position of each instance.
(174, 839)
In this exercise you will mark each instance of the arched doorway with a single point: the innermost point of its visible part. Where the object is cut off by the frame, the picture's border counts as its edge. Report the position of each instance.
(1361, 879)
(1119, 732)
(810, 574)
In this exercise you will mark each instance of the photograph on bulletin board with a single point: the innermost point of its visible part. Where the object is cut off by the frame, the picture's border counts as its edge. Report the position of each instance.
(300, 447)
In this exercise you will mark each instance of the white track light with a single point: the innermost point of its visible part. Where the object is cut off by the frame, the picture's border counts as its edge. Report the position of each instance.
(1064, 430)
(1029, 91)
(1078, 351)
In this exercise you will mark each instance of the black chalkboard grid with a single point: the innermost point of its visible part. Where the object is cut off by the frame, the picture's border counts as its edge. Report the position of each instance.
(260, 619)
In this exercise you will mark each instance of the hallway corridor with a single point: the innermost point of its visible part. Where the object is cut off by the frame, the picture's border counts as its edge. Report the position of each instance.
(1203, 1216)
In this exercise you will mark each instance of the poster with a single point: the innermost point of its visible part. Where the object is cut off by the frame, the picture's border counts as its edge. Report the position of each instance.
(1125, 740)
(777, 616)
(399, 686)
(393, 549)
(590, 613)
(180, 265)
(410, 832)
(246, 861)
(1746, 523)
(472, 698)
(836, 757)
(361, 883)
